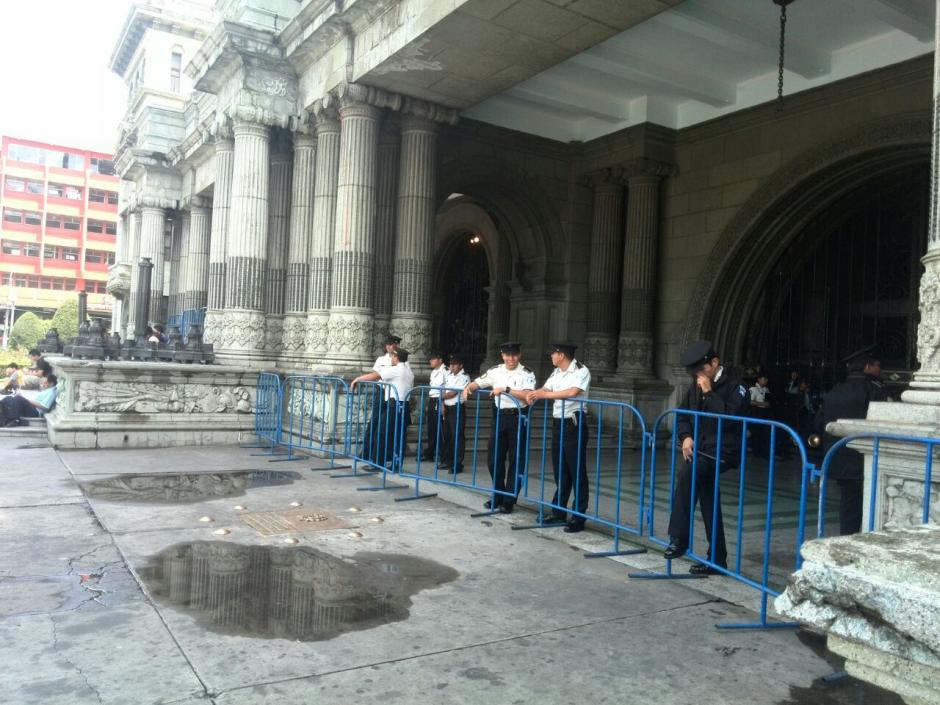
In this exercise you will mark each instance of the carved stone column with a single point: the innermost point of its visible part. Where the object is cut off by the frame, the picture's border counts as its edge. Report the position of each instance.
(133, 257)
(221, 203)
(635, 347)
(600, 344)
(303, 180)
(411, 313)
(242, 326)
(278, 230)
(179, 244)
(152, 228)
(321, 240)
(349, 339)
(196, 277)
(385, 226)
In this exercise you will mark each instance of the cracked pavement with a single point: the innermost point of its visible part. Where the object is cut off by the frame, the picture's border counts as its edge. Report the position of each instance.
(527, 619)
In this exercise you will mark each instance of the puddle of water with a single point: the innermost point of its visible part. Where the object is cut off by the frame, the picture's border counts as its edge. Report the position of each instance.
(842, 691)
(288, 593)
(183, 488)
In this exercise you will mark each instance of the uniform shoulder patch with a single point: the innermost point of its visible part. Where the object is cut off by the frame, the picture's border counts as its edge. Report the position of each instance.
(524, 368)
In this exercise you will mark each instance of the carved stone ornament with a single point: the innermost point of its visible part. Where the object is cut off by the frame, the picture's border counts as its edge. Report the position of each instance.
(240, 330)
(211, 325)
(928, 331)
(635, 352)
(600, 353)
(317, 333)
(415, 336)
(275, 86)
(904, 502)
(119, 280)
(273, 333)
(350, 333)
(293, 335)
(150, 398)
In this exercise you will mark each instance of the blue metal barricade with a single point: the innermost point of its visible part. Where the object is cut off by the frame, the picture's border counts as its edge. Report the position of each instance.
(316, 418)
(905, 449)
(485, 437)
(700, 478)
(268, 403)
(376, 424)
(595, 451)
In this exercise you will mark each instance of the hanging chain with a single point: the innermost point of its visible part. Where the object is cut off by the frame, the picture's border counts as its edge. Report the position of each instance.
(783, 34)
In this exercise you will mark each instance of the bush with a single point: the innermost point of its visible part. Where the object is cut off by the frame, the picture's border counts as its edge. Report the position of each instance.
(28, 330)
(65, 321)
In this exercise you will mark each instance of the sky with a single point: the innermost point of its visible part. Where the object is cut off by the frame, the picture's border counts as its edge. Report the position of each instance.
(56, 84)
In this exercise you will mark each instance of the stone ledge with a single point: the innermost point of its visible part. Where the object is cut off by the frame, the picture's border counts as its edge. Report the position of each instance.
(877, 596)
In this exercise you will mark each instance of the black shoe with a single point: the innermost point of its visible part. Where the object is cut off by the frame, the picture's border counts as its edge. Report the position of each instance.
(573, 527)
(674, 550)
(506, 508)
(556, 519)
(702, 569)
(443, 466)
(458, 471)
(490, 504)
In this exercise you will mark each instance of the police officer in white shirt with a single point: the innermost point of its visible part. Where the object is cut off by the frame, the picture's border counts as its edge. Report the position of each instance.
(455, 419)
(389, 426)
(510, 379)
(760, 397)
(391, 342)
(570, 433)
(433, 409)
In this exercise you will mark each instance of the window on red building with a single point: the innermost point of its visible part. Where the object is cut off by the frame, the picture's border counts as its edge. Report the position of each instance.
(110, 228)
(96, 195)
(112, 198)
(71, 223)
(34, 186)
(73, 192)
(53, 220)
(51, 252)
(95, 226)
(15, 184)
(70, 254)
(33, 218)
(56, 190)
(10, 247)
(11, 215)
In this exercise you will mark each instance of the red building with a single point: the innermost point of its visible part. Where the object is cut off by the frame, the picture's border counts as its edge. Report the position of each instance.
(58, 224)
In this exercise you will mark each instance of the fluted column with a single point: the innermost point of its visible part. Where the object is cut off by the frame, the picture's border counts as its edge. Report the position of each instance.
(242, 326)
(321, 239)
(152, 226)
(179, 245)
(600, 344)
(303, 181)
(133, 257)
(386, 223)
(196, 278)
(635, 348)
(350, 328)
(221, 203)
(278, 230)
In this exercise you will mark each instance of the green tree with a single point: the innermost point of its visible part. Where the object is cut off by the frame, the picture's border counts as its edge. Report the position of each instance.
(28, 330)
(65, 320)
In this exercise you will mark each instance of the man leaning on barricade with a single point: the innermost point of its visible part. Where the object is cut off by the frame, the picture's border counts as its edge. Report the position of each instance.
(399, 377)
(509, 384)
(716, 390)
(570, 433)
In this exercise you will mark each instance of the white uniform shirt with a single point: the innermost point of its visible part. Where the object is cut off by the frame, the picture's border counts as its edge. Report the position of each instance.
(519, 378)
(438, 379)
(759, 393)
(456, 381)
(399, 376)
(577, 375)
(382, 361)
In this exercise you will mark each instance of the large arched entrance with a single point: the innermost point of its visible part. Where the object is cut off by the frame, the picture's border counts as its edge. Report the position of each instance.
(463, 305)
(847, 279)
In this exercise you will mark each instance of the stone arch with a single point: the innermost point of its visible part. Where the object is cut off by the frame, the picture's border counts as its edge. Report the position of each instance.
(761, 231)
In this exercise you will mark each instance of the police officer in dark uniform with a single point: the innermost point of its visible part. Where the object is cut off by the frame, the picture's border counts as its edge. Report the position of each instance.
(849, 400)
(716, 390)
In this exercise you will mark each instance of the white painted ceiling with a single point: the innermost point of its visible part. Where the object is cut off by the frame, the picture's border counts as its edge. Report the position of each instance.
(706, 58)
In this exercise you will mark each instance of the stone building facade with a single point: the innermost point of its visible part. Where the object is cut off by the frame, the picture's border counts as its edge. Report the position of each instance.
(311, 188)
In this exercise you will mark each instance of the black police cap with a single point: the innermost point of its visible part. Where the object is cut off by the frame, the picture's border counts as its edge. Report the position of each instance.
(435, 355)
(401, 354)
(870, 353)
(698, 353)
(566, 349)
(510, 348)
(392, 339)
(455, 358)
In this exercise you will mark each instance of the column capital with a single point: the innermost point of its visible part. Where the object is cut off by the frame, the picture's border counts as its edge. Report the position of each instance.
(190, 203)
(416, 123)
(433, 112)
(252, 128)
(346, 94)
(632, 171)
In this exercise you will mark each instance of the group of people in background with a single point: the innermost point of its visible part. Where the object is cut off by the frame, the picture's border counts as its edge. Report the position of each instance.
(28, 393)
(513, 389)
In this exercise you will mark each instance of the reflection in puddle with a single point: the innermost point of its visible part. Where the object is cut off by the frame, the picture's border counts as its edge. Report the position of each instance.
(184, 487)
(288, 593)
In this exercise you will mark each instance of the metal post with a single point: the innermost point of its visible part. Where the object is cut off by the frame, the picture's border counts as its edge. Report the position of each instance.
(82, 307)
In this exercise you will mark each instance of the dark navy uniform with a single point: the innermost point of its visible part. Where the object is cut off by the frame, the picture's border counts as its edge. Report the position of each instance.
(848, 400)
(729, 397)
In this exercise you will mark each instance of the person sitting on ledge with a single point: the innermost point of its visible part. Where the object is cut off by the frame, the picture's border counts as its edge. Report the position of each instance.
(32, 380)
(28, 405)
(12, 379)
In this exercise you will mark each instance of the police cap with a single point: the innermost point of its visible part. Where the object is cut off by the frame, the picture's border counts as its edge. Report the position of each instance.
(697, 354)
(455, 358)
(566, 349)
(511, 348)
(870, 353)
(400, 353)
(435, 355)
(392, 339)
